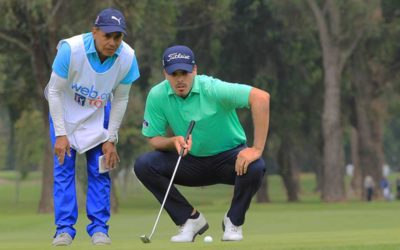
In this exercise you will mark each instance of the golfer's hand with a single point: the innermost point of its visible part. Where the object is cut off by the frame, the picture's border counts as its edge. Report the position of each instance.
(61, 147)
(180, 143)
(110, 154)
(244, 158)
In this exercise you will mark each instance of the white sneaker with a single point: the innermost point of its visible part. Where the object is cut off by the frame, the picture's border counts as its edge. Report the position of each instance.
(100, 238)
(191, 228)
(62, 239)
(231, 232)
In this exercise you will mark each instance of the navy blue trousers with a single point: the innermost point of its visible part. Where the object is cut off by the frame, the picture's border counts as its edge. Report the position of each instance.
(155, 169)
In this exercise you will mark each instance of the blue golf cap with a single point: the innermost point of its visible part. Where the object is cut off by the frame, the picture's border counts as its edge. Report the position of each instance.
(111, 20)
(178, 57)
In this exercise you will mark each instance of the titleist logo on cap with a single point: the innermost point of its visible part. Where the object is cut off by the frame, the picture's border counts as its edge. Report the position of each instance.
(177, 56)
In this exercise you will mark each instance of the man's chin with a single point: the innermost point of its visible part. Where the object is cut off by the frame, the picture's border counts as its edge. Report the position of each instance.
(181, 93)
(109, 53)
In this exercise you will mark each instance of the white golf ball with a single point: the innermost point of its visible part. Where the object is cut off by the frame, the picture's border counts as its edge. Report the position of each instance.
(208, 239)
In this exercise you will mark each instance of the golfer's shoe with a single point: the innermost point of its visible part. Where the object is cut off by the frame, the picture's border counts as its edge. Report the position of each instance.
(191, 228)
(62, 239)
(231, 232)
(100, 238)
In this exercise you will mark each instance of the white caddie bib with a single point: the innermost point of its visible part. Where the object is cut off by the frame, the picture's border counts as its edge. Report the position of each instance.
(86, 94)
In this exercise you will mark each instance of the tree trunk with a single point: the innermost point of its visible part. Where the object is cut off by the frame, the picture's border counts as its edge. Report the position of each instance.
(334, 54)
(333, 162)
(10, 156)
(113, 196)
(318, 168)
(42, 73)
(357, 179)
(262, 194)
(318, 179)
(46, 195)
(43, 51)
(288, 171)
(369, 120)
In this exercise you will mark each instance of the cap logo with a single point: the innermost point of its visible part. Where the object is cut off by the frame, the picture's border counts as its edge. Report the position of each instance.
(117, 19)
(174, 56)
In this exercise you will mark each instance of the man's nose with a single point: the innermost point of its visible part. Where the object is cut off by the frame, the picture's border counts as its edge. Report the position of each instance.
(113, 42)
(180, 78)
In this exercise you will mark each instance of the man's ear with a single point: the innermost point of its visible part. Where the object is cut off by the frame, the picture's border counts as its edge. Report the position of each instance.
(94, 31)
(165, 73)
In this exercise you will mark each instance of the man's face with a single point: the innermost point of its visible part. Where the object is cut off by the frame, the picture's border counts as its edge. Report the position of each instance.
(181, 81)
(106, 43)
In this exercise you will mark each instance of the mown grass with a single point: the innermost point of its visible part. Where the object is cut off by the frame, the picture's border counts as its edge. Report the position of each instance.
(308, 224)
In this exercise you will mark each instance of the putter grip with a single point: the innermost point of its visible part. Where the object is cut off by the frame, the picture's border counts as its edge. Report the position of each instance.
(188, 132)
(190, 129)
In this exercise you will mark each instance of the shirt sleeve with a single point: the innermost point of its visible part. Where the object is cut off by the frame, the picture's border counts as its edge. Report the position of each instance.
(231, 95)
(133, 73)
(154, 123)
(56, 87)
(62, 60)
(118, 108)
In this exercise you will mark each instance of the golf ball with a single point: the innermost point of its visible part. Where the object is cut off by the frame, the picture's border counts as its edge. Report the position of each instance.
(208, 239)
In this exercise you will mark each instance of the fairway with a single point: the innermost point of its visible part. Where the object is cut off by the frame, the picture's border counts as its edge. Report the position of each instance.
(278, 225)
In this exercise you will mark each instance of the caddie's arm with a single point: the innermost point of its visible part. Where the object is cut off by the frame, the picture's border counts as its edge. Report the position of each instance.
(56, 87)
(118, 108)
(259, 105)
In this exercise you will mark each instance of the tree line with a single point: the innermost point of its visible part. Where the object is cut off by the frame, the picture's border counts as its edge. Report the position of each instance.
(330, 67)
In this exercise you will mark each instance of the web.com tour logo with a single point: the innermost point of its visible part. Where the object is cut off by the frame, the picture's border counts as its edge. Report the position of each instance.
(89, 96)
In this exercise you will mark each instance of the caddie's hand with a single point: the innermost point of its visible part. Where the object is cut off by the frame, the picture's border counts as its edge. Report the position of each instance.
(110, 154)
(244, 158)
(61, 147)
(180, 143)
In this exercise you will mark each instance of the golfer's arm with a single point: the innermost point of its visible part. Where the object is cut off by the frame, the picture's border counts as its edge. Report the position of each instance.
(259, 104)
(55, 97)
(163, 143)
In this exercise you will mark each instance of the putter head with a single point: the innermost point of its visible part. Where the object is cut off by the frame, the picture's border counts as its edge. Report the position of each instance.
(145, 239)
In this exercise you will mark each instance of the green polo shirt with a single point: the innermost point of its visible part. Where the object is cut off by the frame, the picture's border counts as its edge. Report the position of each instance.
(212, 103)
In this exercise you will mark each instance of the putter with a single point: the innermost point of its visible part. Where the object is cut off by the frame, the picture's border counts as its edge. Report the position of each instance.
(147, 239)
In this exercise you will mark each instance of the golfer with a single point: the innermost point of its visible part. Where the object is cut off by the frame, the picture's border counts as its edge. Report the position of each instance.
(90, 71)
(215, 153)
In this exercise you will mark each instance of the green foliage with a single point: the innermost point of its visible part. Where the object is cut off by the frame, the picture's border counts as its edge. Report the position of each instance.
(152, 26)
(210, 19)
(131, 142)
(31, 137)
(273, 46)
